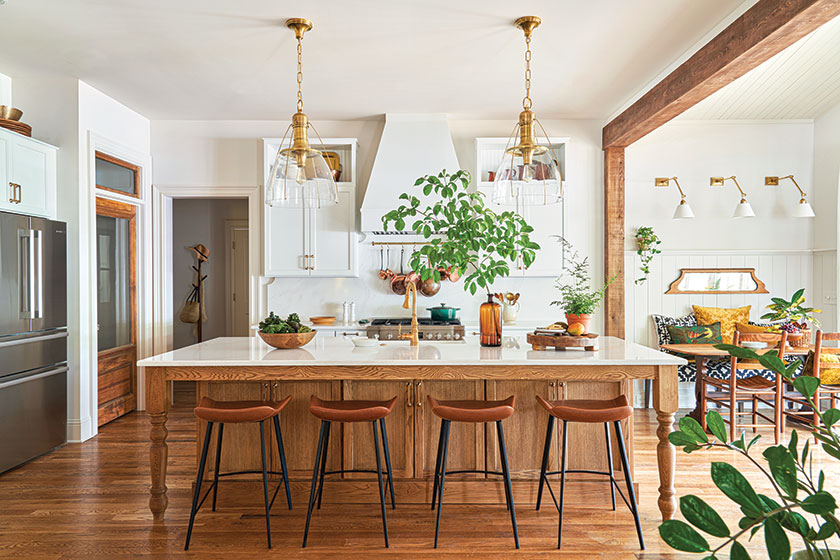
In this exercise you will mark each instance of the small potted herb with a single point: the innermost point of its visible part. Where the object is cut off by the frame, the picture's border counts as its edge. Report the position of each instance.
(577, 298)
(647, 242)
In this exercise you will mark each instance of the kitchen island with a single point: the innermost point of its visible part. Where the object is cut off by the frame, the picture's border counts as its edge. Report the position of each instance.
(332, 368)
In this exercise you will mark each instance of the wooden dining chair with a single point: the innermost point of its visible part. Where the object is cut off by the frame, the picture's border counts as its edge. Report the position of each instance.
(755, 389)
(801, 409)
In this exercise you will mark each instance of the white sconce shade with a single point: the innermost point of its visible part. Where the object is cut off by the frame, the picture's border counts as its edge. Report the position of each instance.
(803, 210)
(683, 211)
(744, 210)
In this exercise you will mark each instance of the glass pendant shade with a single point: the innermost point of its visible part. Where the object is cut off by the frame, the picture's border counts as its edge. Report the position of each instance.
(744, 210)
(531, 179)
(300, 179)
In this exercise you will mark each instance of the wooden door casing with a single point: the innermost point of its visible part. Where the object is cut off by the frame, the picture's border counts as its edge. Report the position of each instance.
(116, 367)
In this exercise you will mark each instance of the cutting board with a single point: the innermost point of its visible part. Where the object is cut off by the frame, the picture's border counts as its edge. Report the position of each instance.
(540, 341)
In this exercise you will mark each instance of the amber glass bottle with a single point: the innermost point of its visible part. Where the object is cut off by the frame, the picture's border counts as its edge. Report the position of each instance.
(490, 321)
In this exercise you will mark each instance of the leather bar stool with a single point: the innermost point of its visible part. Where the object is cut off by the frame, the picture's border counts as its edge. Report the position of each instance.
(597, 412)
(478, 412)
(350, 411)
(239, 412)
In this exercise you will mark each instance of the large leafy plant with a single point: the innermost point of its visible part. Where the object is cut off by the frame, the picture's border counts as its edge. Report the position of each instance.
(577, 296)
(793, 311)
(802, 507)
(461, 231)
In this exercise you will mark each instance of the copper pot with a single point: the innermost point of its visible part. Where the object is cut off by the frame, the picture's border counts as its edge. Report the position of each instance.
(398, 284)
(429, 287)
(453, 273)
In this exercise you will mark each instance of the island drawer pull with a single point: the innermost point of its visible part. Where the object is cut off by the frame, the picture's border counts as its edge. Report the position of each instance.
(418, 394)
(408, 394)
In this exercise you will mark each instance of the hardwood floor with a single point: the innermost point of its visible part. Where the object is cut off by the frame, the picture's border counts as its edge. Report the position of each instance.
(90, 500)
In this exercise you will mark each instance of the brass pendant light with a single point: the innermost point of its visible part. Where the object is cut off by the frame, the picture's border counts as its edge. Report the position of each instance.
(528, 173)
(300, 177)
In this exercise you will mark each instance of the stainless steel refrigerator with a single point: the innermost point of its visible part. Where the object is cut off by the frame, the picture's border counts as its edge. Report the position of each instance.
(33, 337)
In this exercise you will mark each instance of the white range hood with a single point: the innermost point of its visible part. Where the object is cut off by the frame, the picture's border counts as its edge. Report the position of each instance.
(412, 146)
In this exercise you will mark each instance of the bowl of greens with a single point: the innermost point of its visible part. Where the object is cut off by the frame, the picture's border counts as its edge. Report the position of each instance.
(285, 333)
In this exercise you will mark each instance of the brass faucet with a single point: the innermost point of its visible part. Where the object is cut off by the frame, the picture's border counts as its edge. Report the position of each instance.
(410, 289)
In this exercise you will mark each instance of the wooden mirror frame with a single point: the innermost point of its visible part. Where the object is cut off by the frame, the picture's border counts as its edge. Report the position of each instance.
(760, 287)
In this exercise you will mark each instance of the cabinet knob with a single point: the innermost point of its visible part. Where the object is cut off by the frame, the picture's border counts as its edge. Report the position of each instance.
(552, 384)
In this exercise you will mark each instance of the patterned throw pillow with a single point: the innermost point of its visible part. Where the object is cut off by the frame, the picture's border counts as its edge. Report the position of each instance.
(661, 322)
(726, 317)
(698, 334)
(750, 328)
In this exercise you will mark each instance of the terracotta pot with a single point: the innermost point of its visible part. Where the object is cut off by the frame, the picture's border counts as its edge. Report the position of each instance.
(583, 319)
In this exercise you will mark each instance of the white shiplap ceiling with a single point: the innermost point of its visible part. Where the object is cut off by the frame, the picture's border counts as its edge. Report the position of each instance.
(233, 59)
(801, 82)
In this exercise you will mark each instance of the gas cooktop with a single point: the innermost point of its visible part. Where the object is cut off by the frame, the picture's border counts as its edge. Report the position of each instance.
(407, 321)
(427, 329)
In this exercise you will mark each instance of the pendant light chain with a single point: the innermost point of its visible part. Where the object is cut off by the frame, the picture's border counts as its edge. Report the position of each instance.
(526, 101)
(299, 73)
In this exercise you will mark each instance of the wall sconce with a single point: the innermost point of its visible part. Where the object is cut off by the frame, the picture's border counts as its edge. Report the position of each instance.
(803, 209)
(683, 209)
(744, 209)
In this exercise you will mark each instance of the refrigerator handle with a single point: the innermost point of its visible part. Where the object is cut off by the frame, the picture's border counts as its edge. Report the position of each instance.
(25, 272)
(38, 274)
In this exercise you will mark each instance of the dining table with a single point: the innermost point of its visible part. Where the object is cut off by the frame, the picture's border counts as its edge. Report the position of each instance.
(701, 354)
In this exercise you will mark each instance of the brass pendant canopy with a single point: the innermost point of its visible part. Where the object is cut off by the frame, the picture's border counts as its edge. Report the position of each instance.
(529, 172)
(300, 176)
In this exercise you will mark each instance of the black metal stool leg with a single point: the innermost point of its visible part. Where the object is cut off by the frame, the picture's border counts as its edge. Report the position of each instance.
(265, 483)
(546, 451)
(388, 462)
(630, 491)
(445, 431)
(508, 486)
(198, 478)
(218, 457)
(281, 449)
(437, 465)
(324, 463)
(562, 482)
(610, 461)
(381, 485)
(314, 486)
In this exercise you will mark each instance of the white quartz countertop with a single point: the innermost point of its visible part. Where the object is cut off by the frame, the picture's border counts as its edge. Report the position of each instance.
(339, 351)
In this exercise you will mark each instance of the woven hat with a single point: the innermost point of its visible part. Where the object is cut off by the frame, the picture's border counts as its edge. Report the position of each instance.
(202, 252)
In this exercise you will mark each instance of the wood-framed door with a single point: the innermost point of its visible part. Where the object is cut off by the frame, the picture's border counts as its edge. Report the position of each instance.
(116, 277)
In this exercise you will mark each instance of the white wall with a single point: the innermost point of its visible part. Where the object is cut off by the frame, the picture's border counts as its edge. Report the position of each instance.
(695, 151)
(227, 153)
(203, 221)
(76, 117)
(5, 90)
(825, 189)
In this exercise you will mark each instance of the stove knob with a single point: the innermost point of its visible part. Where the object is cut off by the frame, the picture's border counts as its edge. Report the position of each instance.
(447, 336)
(438, 336)
(390, 336)
(457, 336)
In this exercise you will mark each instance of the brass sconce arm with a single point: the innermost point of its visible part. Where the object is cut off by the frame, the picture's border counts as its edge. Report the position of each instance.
(719, 181)
(665, 181)
(775, 181)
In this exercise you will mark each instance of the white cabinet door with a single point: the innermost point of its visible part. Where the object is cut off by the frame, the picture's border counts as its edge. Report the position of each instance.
(33, 168)
(286, 242)
(547, 222)
(333, 238)
(6, 191)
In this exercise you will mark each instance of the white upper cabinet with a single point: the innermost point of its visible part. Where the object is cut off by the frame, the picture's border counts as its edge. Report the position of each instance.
(28, 172)
(308, 242)
(548, 221)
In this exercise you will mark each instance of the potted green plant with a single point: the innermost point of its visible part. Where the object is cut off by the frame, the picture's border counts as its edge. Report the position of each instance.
(802, 507)
(577, 298)
(463, 235)
(647, 242)
(794, 317)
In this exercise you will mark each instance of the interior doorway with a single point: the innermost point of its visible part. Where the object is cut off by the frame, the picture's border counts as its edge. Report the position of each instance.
(238, 293)
(116, 267)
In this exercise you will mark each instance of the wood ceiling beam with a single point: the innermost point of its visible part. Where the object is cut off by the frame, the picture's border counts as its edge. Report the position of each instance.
(764, 30)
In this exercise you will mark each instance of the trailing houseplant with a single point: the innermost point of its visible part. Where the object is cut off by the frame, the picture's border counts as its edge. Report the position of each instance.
(800, 492)
(647, 242)
(462, 232)
(577, 298)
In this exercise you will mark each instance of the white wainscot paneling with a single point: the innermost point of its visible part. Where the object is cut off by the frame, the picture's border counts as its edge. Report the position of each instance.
(825, 288)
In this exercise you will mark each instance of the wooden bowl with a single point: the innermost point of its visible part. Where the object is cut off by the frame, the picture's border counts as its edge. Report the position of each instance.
(286, 341)
(323, 320)
(10, 113)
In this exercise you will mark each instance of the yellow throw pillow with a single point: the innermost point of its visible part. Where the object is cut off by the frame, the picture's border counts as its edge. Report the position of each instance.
(726, 317)
(829, 375)
(750, 329)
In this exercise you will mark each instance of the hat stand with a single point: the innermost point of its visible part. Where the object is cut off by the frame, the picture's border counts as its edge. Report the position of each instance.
(200, 294)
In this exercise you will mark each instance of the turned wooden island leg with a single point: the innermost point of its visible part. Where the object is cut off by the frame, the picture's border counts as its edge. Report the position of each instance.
(665, 402)
(156, 405)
